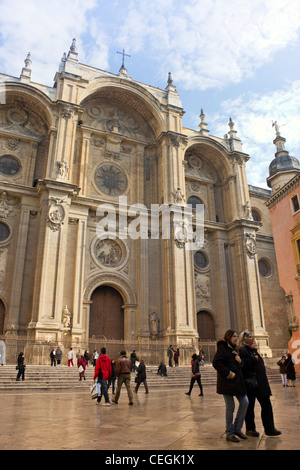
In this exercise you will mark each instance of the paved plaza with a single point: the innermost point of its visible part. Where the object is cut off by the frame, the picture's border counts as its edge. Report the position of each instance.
(163, 420)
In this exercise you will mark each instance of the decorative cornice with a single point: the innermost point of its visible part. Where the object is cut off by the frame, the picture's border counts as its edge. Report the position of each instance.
(282, 192)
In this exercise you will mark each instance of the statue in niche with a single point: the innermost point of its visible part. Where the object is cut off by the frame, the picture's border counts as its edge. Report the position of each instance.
(178, 196)
(154, 324)
(62, 170)
(66, 320)
(248, 211)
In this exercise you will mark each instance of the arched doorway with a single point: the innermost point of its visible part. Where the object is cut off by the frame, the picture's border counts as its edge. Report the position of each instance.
(206, 325)
(106, 313)
(2, 316)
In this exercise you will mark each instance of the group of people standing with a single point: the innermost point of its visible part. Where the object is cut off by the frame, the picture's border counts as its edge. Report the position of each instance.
(107, 371)
(241, 373)
(287, 370)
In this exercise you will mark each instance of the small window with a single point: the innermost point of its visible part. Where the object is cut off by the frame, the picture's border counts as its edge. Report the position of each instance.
(200, 260)
(264, 268)
(4, 232)
(295, 203)
(256, 215)
(9, 165)
(194, 200)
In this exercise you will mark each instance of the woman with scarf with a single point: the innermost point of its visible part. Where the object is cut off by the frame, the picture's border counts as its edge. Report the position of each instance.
(257, 385)
(230, 384)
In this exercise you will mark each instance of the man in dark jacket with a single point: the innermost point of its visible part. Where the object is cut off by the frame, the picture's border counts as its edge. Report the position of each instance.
(257, 385)
(230, 384)
(102, 374)
(123, 372)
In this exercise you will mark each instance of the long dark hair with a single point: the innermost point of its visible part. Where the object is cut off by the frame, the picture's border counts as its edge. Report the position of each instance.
(228, 335)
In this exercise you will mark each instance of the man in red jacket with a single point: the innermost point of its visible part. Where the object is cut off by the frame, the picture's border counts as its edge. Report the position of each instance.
(102, 374)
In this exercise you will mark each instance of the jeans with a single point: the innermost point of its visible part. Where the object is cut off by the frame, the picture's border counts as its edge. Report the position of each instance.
(236, 426)
(103, 391)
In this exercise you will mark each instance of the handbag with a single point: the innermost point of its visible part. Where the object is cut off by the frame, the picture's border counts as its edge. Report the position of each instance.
(80, 369)
(94, 391)
(251, 382)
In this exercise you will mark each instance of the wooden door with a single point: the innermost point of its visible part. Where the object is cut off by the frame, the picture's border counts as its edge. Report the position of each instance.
(205, 325)
(106, 313)
(2, 315)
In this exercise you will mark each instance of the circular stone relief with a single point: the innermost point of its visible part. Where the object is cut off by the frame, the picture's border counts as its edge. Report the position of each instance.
(108, 253)
(111, 180)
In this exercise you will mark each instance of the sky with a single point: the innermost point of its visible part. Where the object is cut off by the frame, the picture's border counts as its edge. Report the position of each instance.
(234, 58)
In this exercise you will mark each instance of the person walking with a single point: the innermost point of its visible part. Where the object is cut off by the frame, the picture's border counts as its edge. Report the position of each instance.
(123, 372)
(112, 380)
(282, 371)
(133, 358)
(81, 368)
(290, 370)
(230, 384)
(58, 354)
(70, 357)
(141, 377)
(170, 355)
(21, 367)
(53, 357)
(257, 386)
(196, 375)
(95, 357)
(176, 357)
(102, 374)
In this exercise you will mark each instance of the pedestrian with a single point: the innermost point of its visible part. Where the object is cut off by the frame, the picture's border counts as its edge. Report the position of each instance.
(170, 355)
(282, 370)
(95, 357)
(162, 369)
(81, 368)
(230, 384)
(257, 386)
(196, 375)
(78, 356)
(123, 372)
(290, 370)
(58, 354)
(53, 357)
(87, 357)
(20, 367)
(112, 380)
(176, 357)
(141, 377)
(70, 357)
(102, 374)
(133, 359)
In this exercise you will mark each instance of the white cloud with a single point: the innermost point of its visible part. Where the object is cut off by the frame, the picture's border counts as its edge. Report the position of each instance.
(253, 114)
(46, 30)
(211, 43)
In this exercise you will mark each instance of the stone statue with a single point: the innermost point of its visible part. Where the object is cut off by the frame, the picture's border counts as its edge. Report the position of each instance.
(154, 324)
(66, 320)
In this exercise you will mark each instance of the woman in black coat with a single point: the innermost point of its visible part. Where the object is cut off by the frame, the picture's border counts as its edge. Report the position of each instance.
(141, 377)
(20, 367)
(257, 385)
(290, 370)
(230, 384)
(196, 375)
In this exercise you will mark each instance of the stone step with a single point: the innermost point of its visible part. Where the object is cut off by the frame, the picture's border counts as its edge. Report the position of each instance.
(65, 378)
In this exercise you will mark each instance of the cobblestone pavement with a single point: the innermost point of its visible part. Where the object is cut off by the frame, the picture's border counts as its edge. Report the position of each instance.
(162, 420)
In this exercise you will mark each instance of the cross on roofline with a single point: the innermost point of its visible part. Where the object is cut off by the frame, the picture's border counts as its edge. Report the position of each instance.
(123, 54)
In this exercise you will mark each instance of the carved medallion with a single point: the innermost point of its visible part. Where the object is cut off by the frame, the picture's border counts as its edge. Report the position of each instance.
(108, 253)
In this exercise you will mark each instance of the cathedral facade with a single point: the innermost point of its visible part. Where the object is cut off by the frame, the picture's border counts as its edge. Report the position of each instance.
(83, 161)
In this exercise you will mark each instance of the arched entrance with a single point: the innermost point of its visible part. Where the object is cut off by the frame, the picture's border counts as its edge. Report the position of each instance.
(206, 325)
(106, 313)
(2, 316)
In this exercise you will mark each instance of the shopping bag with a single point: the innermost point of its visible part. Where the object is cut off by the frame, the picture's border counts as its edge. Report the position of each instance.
(94, 391)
